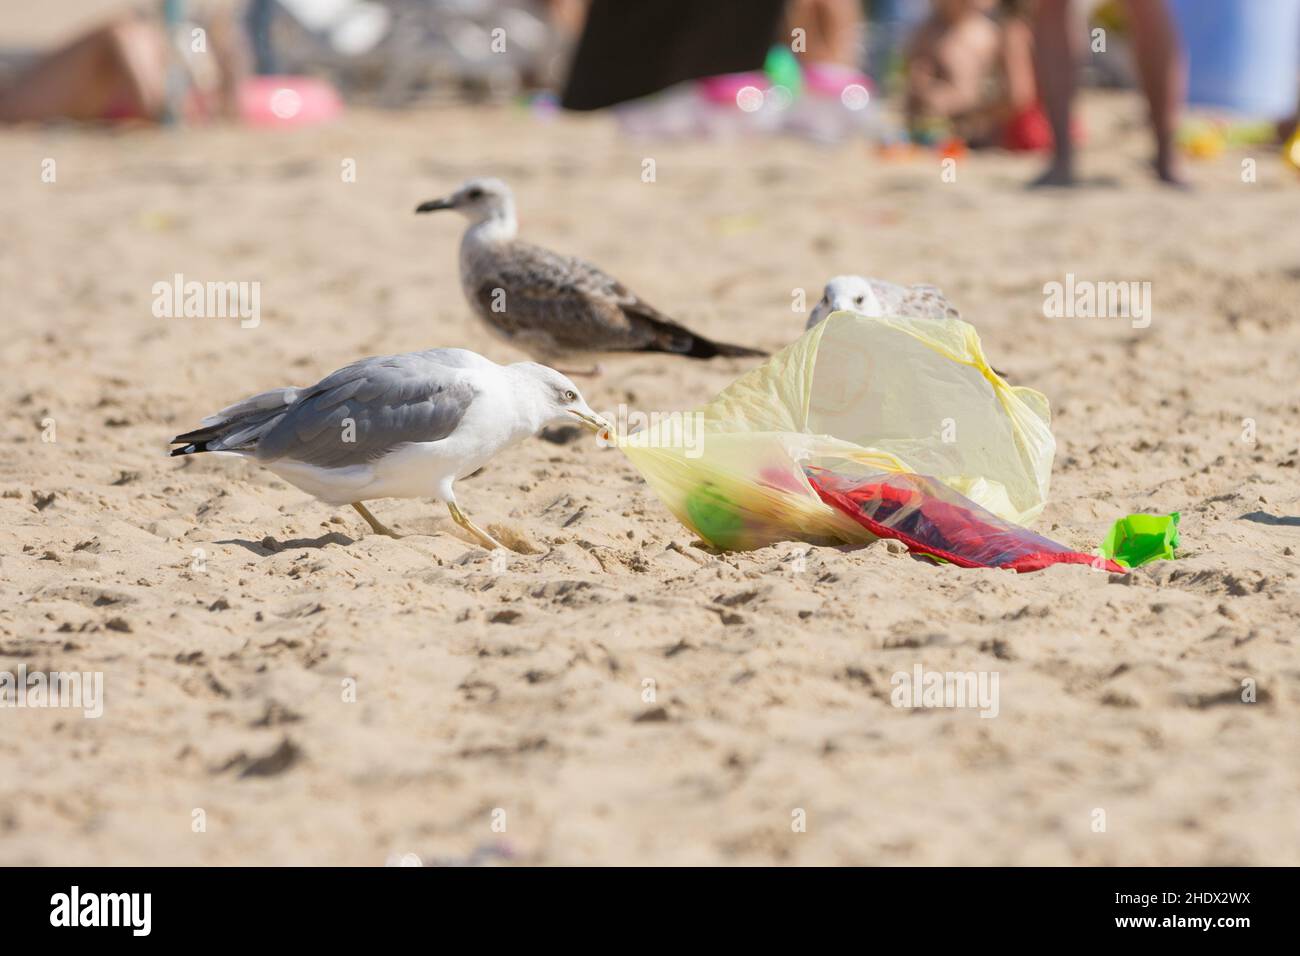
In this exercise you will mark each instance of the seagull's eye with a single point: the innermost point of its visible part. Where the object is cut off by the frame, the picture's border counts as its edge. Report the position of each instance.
(474, 193)
(858, 300)
(570, 396)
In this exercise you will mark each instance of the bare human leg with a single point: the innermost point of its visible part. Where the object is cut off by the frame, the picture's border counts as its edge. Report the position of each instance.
(1056, 60)
(1160, 67)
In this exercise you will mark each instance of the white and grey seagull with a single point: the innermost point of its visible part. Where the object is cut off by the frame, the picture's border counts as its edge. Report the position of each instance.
(555, 307)
(876, 298)
(394, 426)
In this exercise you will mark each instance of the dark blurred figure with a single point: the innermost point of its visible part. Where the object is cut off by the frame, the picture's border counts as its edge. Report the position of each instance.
(632, 48)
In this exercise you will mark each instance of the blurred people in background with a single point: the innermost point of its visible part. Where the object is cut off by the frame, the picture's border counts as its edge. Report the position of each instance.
(988, 72)
(950, 67)
(833, 30)
(1024, 124)
(139, 67)
(1155, 45)
(122, 71)
(970, 74)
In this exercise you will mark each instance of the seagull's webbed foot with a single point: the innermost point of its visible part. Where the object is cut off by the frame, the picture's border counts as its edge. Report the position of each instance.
(375, 525)
(479, 535)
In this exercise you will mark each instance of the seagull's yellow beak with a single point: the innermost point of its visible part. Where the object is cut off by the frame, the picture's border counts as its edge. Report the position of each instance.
(591, 420)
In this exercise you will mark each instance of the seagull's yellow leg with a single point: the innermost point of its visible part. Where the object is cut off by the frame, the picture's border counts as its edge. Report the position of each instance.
(481, 536)
(374, 522)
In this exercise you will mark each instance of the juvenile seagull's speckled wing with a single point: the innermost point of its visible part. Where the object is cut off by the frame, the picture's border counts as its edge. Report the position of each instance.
(576, 305)
(917, 301)
(564, 304)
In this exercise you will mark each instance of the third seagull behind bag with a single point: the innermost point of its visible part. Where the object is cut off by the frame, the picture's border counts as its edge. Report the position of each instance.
(555, 307)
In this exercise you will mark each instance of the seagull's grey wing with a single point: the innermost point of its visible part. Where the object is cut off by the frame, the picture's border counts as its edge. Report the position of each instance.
(918, 301)
(577, 306)
(361, 412)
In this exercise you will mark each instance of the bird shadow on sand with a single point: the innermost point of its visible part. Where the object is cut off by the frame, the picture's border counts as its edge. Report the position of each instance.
(269, 546)
(1263, 517)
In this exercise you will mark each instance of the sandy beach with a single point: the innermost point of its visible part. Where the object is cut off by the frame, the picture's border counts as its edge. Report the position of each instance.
(314, 694)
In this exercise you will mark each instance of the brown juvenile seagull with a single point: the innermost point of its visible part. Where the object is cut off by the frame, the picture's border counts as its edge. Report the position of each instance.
(555, 307)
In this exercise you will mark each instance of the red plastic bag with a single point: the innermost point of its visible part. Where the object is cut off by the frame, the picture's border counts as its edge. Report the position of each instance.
(932, 519)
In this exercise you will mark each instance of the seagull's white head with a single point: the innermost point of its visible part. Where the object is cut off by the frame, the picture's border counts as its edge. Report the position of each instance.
(484, 199)
(845, 292)
(556, 398)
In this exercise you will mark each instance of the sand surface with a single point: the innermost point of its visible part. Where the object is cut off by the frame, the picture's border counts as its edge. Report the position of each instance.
(230, 613)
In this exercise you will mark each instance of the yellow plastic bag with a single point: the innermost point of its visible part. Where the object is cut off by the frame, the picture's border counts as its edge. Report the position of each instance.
(859, 395)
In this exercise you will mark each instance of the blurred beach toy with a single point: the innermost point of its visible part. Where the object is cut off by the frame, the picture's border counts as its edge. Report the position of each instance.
(1291, 151)
(780, 72)
(1027, 131)
(823, 102)
(288, 101)
(838, 102)
(1202, 139)
(782, 69)
(954, 147)
(851, 87)
(1242, 55)
(715, 107)
(862, 396)
(1139, 539)
(731, 89)
(1205, 137)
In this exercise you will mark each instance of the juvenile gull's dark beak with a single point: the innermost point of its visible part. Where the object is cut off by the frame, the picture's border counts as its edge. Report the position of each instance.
(433, 205)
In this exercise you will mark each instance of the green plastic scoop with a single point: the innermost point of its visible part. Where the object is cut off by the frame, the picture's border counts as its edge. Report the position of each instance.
(1139, 539)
